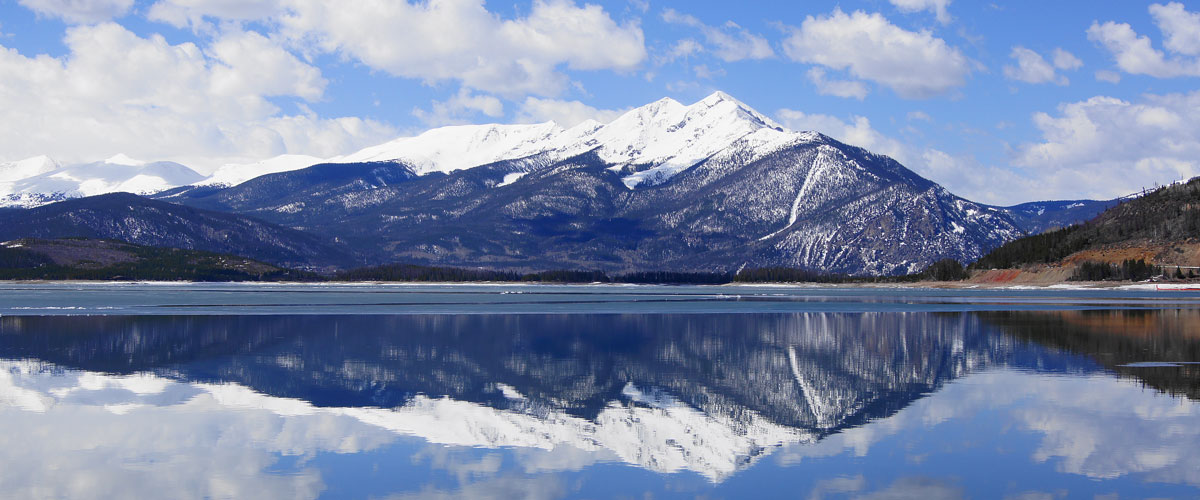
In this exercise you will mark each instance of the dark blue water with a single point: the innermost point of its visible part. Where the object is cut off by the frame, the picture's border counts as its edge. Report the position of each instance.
(885, 395)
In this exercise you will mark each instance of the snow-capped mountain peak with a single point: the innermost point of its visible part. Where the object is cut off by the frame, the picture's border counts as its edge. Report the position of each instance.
(119, 173)
(669, 137)
(719, 98)
(232, 174)
(665, 135)
(447, 149)
(587, 126)
(647, 145)
(29, 167)
(123, 159)
(651, 143)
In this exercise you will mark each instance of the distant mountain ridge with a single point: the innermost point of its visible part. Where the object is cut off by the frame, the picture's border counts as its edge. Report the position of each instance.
(142, 221)
(712, 186)
(1161, 227)
(50, 182)
(1040, 216)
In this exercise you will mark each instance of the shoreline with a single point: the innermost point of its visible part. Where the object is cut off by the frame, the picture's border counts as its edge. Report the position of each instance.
(944, 285)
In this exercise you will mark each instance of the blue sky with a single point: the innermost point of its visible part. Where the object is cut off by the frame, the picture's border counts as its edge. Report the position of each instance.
(1001, 102)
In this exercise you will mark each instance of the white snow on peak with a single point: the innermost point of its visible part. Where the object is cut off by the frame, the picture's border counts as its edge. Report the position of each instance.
(232, 174)
(660, 139)
(91, 179)
(677, 137)
(453, 148)
(665, 135)
(29, 167)
(719, 97)
(671, 134)
(12, 172)
(587, 126)
(122, 159)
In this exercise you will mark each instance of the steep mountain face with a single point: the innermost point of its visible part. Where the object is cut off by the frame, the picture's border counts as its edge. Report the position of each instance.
(117, 174)
(138, 220)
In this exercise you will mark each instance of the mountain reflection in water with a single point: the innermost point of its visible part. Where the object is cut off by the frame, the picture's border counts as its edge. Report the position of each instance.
(711, 394)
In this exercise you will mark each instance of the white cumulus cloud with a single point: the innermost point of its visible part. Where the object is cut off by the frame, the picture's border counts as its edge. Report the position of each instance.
(683, 49)
(1180, 27)
(1066, 60)
(1108, 76)
(460, 108)
(839, 88)
(1135, 54)
(252, 64)
(938, 7)
(184, 13)
(441, 40)
(729, 42)
(1031, 67)
(564, 113)
(914, 64)
(79, 11)
(856, 132)
(1104, 147)
(460, 40)
(116, 92)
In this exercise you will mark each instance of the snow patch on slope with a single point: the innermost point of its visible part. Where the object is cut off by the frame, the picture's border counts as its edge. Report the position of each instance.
(511, 178)
(822, 163)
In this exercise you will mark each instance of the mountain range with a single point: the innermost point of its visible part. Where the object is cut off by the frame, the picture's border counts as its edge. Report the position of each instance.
(710, 186)
(40, 180)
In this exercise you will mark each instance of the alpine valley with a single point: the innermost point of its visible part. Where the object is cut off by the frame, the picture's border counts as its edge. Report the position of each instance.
(714, 186)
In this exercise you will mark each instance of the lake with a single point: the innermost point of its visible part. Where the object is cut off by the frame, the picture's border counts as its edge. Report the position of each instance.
(120, 390)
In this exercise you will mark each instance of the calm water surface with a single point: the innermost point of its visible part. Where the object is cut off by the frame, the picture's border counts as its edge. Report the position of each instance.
(219, 391)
